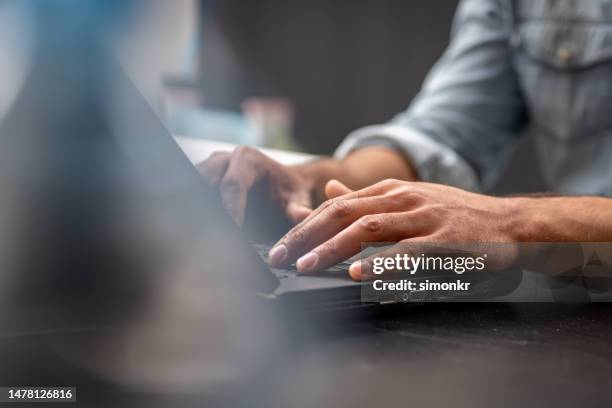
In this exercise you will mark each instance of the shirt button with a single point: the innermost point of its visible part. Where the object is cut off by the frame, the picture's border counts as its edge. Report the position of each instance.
(564, 54)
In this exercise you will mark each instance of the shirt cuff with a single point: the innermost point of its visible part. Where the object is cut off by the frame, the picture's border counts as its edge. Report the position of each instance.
(433, 161)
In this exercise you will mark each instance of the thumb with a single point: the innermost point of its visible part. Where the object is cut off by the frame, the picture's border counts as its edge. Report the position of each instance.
(299, 207)
(334, 189)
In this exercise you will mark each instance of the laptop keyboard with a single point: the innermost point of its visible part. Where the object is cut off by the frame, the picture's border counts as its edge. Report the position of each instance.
(263, 249)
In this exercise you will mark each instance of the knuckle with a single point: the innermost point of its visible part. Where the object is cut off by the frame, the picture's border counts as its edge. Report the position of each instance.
(296, 236)
(230, 183)
(399, 195)
(247, 153)
(339, 209)
(389, 183)
(243, 150)
(372, 223)
(384, 184)
(326, 204)
(330, 248)
(405, 196)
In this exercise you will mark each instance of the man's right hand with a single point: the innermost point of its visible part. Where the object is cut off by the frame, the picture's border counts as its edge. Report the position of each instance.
(236, 173)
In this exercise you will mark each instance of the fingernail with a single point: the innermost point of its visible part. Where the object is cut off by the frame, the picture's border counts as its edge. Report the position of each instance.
(355, 270)
(307, 262)
(277, 254)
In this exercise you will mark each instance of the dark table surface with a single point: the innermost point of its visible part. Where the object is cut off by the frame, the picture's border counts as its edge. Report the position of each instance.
(456, 354)
(486, 354)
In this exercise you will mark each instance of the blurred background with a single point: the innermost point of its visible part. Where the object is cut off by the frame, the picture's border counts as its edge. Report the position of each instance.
(297, 75)
(288, 73)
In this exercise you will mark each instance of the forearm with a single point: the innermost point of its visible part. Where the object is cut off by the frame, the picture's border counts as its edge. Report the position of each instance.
(562, 219)
(361, 168)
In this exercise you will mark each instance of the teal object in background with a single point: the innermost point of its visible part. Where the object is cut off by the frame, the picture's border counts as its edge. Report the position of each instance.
(225, 126)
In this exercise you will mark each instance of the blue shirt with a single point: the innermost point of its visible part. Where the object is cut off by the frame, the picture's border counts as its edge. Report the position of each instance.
(540, 65)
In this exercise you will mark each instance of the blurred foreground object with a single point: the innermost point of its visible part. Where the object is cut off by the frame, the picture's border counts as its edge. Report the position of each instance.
(112, 271)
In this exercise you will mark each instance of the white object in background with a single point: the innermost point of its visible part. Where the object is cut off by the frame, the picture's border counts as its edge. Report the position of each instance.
(271, 121)
(230, 127)
(198, 150)
(15, 50)
(157, 42)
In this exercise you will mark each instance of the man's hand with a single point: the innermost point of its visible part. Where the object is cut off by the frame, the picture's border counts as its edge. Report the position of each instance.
(294, 188)
(236, 173)
(393, 211)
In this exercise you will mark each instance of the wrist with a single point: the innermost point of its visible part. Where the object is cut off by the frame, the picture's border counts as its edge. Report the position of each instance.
(526, 221)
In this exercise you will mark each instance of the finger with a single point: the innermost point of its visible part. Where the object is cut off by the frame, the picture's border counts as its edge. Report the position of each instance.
(366, 192)
(371, 191)
(235, 185)
(317, 228)
(334, 189)
(213, 168)
(390, 227)
(297, 212)
(297, 241)
(299, 206)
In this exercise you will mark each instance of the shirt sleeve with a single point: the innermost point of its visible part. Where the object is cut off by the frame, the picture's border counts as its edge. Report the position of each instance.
(461, 127)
